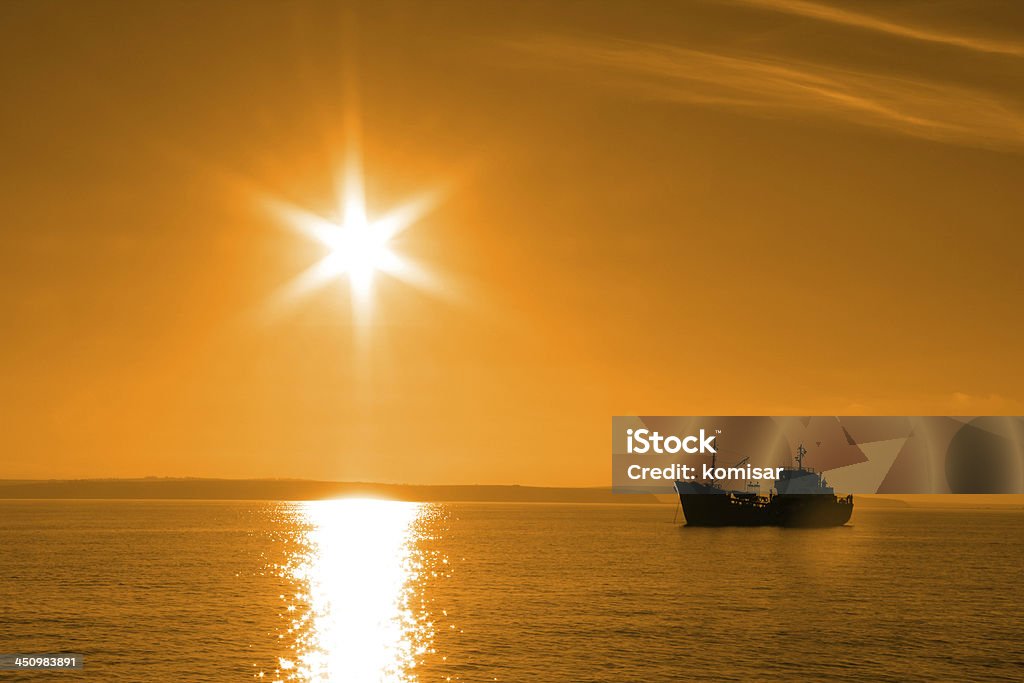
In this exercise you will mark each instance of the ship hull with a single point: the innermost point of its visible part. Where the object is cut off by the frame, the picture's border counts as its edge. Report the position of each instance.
(790, 510)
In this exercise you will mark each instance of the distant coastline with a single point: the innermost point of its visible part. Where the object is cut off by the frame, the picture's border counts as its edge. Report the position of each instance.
(184, 488)
(155, 488)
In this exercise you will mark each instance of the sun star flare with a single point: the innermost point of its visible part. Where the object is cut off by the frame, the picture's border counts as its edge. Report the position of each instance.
(357, 249)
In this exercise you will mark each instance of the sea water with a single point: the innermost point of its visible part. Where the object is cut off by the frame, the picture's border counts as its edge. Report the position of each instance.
(386, 591)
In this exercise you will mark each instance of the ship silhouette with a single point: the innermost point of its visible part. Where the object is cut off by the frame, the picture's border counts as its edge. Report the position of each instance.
(802, 498)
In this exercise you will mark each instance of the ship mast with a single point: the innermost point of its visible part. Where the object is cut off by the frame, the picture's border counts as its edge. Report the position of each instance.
(800, 453)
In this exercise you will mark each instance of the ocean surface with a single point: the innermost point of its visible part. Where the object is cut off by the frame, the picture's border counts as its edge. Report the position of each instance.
(371, 591)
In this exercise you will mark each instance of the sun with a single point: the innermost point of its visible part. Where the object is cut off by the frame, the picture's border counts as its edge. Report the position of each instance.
(358, 249)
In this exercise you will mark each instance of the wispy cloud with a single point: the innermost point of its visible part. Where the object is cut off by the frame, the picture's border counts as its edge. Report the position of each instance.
(767, 83)
(837, 15)
(956, 403)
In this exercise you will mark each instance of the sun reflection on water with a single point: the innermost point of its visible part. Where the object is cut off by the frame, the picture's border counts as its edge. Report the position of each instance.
(357, 614)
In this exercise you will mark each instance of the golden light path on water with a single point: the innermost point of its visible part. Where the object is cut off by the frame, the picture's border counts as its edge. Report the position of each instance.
(360, 617)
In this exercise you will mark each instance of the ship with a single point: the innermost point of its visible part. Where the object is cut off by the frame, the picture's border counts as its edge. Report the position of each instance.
(802, 498)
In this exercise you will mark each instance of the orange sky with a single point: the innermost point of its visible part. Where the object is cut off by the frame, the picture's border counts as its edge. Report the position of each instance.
(759, 206)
